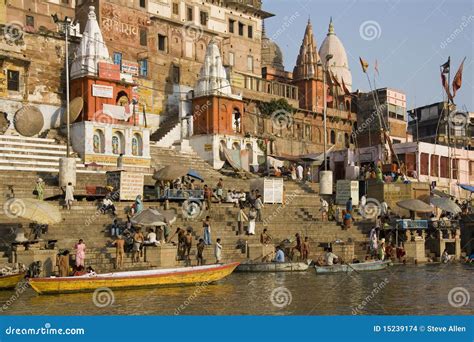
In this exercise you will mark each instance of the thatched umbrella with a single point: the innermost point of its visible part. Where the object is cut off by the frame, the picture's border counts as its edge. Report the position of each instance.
(171, 172)
(153, 218)
(446, 204)
(34, 210)
(28, 121)
(415, 205)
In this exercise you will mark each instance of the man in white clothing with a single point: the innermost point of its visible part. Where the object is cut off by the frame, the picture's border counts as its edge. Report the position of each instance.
(299, 169)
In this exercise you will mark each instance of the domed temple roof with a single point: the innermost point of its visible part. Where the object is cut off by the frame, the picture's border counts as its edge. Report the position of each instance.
(338, 64)
(271, 53)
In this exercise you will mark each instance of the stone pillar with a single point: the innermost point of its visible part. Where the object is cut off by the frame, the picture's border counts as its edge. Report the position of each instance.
(457, 246)
(67, 171)
(161, 256)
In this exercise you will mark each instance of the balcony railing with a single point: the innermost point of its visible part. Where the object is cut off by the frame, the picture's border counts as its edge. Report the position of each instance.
(261, 85)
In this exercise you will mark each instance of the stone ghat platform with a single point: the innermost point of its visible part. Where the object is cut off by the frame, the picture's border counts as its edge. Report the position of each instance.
(300, 214)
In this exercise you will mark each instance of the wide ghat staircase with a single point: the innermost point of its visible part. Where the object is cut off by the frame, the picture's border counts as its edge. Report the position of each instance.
(300, 214)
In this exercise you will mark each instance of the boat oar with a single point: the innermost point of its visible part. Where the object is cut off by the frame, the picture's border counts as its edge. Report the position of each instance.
(342, 262)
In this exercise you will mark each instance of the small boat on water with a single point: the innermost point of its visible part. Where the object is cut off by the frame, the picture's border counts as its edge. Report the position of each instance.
(133, 279)
(359, 267)
(272, 267)
(9, 281)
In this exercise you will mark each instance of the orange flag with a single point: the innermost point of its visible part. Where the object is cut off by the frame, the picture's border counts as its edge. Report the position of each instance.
(457, 82)
(363, 64)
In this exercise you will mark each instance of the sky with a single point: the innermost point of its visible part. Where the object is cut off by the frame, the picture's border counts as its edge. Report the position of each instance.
(410, 39)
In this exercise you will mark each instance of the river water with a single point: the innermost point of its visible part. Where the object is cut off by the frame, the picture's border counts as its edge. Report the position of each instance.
(400, 290)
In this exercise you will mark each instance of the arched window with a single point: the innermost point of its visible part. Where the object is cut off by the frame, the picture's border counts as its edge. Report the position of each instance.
(137, 145)
(118, 143)
(346, 140)
(236, 121)
(122, 99)
(98, 141)
(332, 137)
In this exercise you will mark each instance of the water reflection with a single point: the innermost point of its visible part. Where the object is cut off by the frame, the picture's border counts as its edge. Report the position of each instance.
(407, 290)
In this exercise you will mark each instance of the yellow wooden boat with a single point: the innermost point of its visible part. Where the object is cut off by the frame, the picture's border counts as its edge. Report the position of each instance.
(133, 279)
(10, 281)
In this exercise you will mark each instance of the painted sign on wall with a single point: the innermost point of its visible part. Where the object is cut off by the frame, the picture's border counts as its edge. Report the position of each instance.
(109, 71)
(102, 91)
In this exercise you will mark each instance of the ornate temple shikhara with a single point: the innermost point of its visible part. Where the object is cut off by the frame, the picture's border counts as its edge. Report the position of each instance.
(110, 123)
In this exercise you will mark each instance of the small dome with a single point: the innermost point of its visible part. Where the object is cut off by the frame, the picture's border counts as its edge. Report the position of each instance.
(338, 64)
(271, 54)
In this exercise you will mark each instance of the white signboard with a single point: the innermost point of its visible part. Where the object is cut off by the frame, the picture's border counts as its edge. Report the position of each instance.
(271, 189)
(346, 189)
(130, 184)
(103, 91)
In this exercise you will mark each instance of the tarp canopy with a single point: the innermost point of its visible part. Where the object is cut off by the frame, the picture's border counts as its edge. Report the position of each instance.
(195, 174)
(415, 205)
(446, 204)
(233, 158)
(467, 187)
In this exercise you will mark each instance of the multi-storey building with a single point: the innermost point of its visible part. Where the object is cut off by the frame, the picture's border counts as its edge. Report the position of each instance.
(439, 122)
(32, 60)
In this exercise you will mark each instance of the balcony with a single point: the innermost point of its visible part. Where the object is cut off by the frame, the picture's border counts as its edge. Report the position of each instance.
(259, 89)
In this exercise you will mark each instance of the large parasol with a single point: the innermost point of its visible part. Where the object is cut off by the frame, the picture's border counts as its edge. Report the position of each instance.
(31, 209)
(171, 172)
(415, 205)
(153, 217)
(446, 204)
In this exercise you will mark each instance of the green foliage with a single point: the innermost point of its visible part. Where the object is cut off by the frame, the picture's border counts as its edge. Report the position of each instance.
(280, 105)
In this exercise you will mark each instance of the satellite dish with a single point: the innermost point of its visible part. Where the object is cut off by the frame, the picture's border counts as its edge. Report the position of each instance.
(28, 121)
(75, 109)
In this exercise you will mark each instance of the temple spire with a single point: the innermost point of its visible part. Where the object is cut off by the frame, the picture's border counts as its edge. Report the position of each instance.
(331, 27)
(91, 49)
(308, 57)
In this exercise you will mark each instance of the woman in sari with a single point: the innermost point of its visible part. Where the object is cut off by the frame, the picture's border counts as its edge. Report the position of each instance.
(39, 189)
(80, 253)
(138, 204)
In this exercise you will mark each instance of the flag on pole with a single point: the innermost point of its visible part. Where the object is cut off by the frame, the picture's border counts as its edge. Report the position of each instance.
(446, 66)
(457, 82)
(376, 67)
(363, 64)
(346, 91)
(444, 81)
